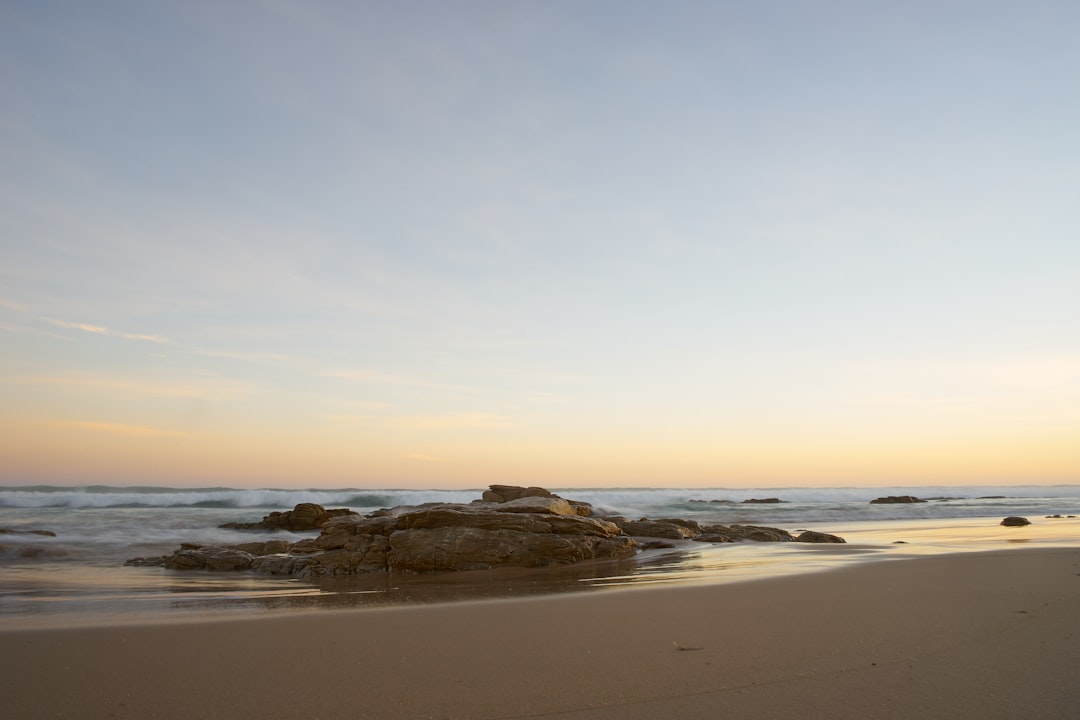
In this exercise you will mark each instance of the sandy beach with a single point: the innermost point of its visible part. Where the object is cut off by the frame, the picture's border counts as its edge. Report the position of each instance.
(989, 635)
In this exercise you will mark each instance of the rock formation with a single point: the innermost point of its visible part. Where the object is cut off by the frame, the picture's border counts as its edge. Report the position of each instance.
(1014, 521)
(896, 499)
(511, 526)
(305, 516)
(809, 536)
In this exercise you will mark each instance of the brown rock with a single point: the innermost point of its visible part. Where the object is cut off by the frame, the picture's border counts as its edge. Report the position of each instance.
(655, 528)
(507, 493)
(208, 558)
(288, 565)
(466, 516)
(304, 547)
(186, 559)
(337, 531)
(896, 499)
(692, 525)
(228, 559)
(305, 516)
(583, 509)
(734, 533)
(1014, 521)
(577, 525)
(810, 536)
(536, 504)
(269, 547)
(465, 548)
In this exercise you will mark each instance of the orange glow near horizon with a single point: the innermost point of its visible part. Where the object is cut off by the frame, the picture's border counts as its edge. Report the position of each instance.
(89, 453)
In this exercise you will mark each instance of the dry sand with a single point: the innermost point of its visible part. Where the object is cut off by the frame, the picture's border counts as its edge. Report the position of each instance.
(980, 635)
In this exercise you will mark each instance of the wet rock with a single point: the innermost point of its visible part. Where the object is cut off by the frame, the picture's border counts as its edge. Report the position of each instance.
(692, 525)
(735, 533)
(532, 504)
(810, 536)
(466, 548)
(305, 516)
(285, 565)
(155, 561)
(896, 499)
(208, 558)
(715, 537)
(527, 531)
(12, 531)
(656, 545)
(269, 547)
(655, 528)
(1014, 521)
(511, 526)
(507, 493)
(764, 501)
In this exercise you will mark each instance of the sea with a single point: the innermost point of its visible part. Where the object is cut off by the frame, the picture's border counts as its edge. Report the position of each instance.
(78, 576)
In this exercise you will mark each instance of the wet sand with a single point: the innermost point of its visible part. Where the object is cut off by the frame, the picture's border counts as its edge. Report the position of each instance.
(989, 635)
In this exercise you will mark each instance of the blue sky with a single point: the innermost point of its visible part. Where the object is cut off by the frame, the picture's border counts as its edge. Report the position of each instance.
(589, 243)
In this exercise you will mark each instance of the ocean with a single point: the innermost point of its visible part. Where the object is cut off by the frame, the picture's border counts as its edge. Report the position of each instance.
(79, 576)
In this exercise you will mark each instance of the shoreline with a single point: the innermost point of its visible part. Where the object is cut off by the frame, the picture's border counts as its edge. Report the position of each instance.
(987, 634)
(65, 595)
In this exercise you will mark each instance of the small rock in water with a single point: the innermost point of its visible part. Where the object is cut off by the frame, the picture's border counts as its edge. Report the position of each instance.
(896, 499)
(811, 536)
(1014, 521)
(11, 531)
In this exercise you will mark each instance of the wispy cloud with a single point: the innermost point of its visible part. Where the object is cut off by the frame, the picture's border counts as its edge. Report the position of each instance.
(116, 428)
(86, 327)
(101, 330)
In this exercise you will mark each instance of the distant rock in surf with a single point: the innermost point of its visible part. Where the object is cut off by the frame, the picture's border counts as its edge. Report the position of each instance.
(764, 501)
(12, 531)
(1014, 521)
(896, 499)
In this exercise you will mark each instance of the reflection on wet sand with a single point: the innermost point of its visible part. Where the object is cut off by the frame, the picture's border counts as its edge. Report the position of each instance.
(61, 595)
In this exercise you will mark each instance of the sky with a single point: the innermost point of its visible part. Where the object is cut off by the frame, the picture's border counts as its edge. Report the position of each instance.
(573, 244)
